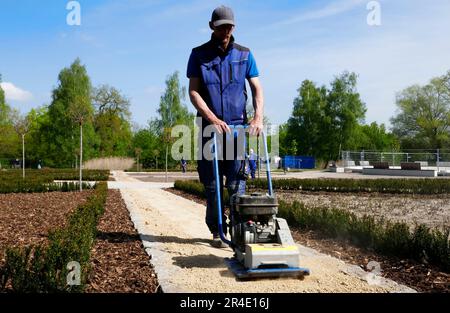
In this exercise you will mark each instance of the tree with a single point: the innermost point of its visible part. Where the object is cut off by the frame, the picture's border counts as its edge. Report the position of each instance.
(112, 121)
(38, 119)
(21, 126)
(2, 96)
(346, 111)
(80, 112)
(373, 137)
(5, 110)
(423, 118)
(305, 126)
(70, 101)
(172, 111)
(148, 143)
(323, 120)
(8, 139)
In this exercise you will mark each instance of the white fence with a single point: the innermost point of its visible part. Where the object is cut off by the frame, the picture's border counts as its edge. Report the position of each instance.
(438, 157)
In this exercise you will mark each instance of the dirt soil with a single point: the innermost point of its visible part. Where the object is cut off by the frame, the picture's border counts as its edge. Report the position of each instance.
(419, 276)
(431, 210)
(26, 218)
(118, 260)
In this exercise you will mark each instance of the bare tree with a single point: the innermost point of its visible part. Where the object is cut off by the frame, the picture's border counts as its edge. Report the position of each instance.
(80, 113)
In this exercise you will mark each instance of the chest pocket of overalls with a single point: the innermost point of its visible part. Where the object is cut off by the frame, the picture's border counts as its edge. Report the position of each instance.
(211, 72)
(238, 71)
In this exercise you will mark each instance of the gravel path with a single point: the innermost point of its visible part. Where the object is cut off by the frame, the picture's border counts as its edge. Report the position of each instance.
(175, 236)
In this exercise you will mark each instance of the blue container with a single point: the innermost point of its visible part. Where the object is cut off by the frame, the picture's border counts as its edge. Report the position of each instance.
(299, 162)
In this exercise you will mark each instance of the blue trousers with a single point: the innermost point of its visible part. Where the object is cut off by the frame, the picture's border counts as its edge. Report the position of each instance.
(252, 165)
(234, 184)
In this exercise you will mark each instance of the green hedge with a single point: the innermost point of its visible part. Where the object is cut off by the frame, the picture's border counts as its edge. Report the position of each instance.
(382, 236)
(44, 268)
(194, 187)
(50, 175)
(11, 181)
(38, 186)
(402, 186)
(74, 174)
(161, 170)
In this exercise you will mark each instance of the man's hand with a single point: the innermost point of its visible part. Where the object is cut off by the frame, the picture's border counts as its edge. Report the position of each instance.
(220, 126)
(255, 127)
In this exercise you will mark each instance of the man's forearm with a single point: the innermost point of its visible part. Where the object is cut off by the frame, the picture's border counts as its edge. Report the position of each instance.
(202, 107)
(258, 104)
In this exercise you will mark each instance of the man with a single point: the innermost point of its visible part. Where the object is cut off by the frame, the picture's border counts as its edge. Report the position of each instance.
(183, 165)
(217, 71)
(252, 163)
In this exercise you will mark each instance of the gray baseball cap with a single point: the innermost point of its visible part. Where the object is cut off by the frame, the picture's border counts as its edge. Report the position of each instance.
(222, 15)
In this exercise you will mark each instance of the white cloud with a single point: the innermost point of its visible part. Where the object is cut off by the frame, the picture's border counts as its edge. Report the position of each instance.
(13, 92)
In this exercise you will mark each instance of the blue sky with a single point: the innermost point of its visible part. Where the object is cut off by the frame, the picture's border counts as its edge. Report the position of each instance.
(134, 45)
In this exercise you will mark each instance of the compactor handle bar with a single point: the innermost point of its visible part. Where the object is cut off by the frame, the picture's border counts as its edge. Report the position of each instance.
(217, 178)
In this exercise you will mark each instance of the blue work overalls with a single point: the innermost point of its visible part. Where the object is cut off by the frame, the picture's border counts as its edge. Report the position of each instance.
(222, 75)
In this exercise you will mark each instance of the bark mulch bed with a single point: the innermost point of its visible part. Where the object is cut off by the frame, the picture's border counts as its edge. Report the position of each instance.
(119, 262)
(420, 276)
(431, 210)
(27, 218)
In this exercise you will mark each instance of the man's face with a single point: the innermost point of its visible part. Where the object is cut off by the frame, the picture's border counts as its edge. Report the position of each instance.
(223, 32)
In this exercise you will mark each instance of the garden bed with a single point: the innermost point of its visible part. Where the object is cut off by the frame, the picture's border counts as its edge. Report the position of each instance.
(119, 262)
(26, 219)
(62, 223)
(430, 210)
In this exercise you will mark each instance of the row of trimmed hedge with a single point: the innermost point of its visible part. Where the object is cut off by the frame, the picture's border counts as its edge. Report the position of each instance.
(11, 181)
(382, 236)
(400, 186)
(20, 186)
(194, 187)
(160, 170)
(56, 174)
(43, 268)
(385, 237)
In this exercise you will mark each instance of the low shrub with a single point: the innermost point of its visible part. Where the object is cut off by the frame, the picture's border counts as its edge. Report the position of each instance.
(396, 239)
(194, 187)
(11, 181)
(401, 186)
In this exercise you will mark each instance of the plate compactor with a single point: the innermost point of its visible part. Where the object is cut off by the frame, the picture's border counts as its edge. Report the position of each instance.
(261, 241)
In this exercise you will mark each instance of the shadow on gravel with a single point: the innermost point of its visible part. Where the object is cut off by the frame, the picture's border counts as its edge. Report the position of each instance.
(199, 261)
(173, 239)
(117, 237)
